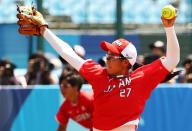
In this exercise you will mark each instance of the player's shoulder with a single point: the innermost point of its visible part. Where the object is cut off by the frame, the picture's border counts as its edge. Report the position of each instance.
(145, 68)
(65, 105)
(139, 70)
(91, 64)
(92, 68)
(152, 64)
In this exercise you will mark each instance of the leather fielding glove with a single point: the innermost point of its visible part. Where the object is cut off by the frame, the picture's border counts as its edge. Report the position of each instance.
(30, 20)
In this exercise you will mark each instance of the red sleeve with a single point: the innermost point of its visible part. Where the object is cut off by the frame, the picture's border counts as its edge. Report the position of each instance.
(91, 71)
(62, 116)
(154, 73)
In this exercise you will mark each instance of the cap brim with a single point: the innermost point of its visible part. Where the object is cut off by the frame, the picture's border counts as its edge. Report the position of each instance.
(106, 46)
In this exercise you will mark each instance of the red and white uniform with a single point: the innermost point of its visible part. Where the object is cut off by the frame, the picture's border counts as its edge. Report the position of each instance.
(121, 100)
(81, 112)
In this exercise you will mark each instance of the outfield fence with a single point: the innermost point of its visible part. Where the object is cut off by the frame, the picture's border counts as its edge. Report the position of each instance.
(33, 109)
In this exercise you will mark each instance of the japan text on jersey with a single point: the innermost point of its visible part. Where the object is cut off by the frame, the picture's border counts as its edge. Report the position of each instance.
(122, 85)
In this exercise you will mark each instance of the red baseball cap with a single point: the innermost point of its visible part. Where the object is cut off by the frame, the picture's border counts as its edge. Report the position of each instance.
(121, 47)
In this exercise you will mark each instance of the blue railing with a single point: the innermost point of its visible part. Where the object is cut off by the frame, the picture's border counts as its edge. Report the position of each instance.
(168, 109)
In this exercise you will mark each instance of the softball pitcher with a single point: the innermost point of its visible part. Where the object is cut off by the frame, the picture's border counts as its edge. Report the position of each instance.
(119, 96)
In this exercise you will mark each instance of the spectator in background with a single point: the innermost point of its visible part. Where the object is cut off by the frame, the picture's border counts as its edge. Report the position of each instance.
(157, 49)
(186, 75)
(7, 76)
(77, 105)
(39, 70)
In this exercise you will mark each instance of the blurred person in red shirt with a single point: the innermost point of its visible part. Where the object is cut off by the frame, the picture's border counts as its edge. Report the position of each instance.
(77, 105)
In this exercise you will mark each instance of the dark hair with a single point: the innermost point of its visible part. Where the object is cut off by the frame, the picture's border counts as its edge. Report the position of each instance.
(73, 79)
(7, 73)
(187, 61)
(45, 73)
(150, 58)
(68, 68)
(38, 57)
(62, 60)
(8, 67)
(101, 61)
(135, 66)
